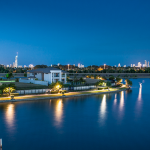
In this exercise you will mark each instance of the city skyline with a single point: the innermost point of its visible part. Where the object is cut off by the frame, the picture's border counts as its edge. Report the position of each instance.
(16, 65)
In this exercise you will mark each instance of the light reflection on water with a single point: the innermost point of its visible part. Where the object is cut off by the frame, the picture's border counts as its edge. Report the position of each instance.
(115, 100)
(103, 109)
(9, 115)
(140, 94)
(139, 102)
(59, 112)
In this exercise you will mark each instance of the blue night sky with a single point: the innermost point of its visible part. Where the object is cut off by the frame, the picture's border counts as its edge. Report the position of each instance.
(75, 31)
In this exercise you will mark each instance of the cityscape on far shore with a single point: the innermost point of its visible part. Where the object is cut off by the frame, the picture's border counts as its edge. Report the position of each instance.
(16, 65)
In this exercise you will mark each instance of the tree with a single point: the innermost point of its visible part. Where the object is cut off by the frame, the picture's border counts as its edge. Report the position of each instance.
(25, 74)
(56, 86)
(111, 78)
(100, 83)
(4, 88)
(8, 90)
(128, 82)
(118, 79)
(82, 80)
(108, 83)
(9, 75)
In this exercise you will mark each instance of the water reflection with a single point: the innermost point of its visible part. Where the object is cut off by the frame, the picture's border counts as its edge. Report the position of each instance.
(115, 100)
(140, 93)
(121, 101)
(9, 115)
(103, 108)
(139, 101)
(59, 112)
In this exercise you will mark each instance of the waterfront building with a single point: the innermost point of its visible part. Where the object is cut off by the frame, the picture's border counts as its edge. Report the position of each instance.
(49, 74)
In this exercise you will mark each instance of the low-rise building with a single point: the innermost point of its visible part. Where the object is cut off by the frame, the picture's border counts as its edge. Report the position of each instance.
(49, 74)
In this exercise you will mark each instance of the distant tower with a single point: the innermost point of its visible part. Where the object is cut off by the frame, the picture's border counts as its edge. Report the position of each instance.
(139, 64)
(16, 61)
(145, 63)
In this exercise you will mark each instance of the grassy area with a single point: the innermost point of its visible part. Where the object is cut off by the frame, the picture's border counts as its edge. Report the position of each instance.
(26, 86)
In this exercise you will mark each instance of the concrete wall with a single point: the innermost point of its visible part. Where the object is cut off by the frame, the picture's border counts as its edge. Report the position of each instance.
(47, 77)
(33, 91)
(39, 76)
(34, 82)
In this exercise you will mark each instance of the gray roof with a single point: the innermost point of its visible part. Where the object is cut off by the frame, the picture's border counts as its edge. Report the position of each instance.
(44, 70)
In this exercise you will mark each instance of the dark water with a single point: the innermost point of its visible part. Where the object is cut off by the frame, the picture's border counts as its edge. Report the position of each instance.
(112, 121)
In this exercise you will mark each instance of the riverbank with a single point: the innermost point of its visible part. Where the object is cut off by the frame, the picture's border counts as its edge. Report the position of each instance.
(56, 96)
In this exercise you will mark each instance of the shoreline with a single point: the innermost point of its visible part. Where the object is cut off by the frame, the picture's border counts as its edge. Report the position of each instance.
(56, 97)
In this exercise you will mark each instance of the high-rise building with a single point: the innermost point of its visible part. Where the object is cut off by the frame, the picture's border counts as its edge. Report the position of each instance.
(145, 63)
(124, 66)
(119, 65)
(148, 64)
(131, 65)
(139, 64)
(31, 66)
(15, 64)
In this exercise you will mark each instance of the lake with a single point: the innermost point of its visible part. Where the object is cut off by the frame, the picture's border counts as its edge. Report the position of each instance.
(118, 121)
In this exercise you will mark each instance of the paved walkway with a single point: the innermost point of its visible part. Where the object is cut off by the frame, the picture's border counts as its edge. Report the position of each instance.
(52, 96)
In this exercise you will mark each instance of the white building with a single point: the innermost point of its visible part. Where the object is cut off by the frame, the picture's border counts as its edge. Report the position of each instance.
(15, 64)
(119, 65)
(124, 66)
(49, 74)
(80, 65)
(131, 65)
(31, 66)
(145, 63)
(139, 65)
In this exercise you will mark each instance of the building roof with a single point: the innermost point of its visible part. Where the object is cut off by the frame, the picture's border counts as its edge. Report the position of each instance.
(44, 70)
